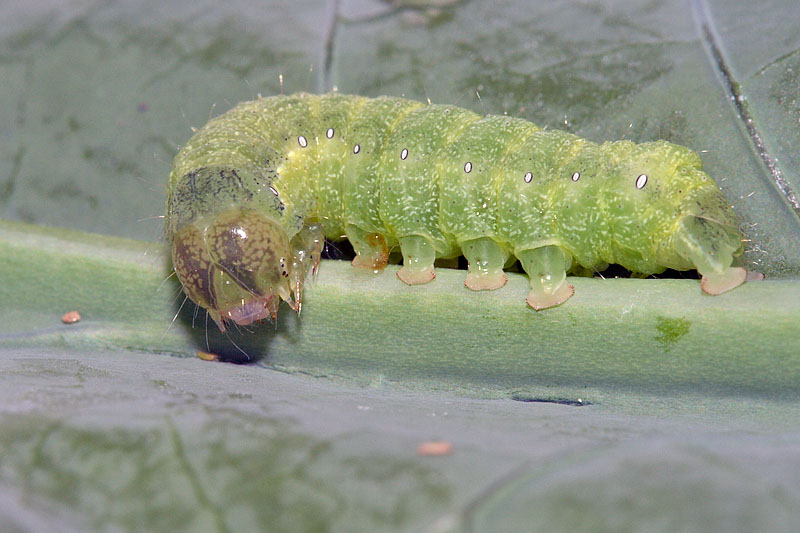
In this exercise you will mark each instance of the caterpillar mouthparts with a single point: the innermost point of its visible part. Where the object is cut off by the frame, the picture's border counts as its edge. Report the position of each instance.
(254, 192)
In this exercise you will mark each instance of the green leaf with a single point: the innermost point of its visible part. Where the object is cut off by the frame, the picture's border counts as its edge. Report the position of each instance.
(618, 411)
(615, 333)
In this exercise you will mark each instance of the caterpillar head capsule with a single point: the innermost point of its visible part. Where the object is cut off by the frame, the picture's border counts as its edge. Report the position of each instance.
(237, 266)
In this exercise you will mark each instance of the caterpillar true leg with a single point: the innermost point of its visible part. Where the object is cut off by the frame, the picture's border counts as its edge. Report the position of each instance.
(371, 249)
(307, 246)
(710, 246)
(486, 260)
(547, 268)
(418, 257)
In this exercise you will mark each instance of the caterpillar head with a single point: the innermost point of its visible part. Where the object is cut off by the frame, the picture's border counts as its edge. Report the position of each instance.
(237, 266)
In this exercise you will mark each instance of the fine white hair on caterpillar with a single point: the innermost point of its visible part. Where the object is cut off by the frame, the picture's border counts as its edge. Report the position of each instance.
(254, 193)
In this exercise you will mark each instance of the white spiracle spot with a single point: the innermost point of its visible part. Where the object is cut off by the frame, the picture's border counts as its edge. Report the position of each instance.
(576, 176)
(468, 167)
(329, 133)
(302, 141)
(404, 154)
(641, 181)
(528, 177)
(356, 148)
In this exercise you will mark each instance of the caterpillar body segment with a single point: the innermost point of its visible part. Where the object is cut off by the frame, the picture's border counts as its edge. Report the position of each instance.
(254, 192)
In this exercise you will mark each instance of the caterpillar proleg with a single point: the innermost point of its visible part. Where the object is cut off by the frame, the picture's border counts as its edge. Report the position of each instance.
(254, 192)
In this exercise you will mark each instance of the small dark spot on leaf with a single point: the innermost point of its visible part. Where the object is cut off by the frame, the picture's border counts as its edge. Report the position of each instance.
(575, 402)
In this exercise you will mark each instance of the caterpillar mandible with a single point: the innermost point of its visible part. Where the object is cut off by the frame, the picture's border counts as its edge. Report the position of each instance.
(254, 192)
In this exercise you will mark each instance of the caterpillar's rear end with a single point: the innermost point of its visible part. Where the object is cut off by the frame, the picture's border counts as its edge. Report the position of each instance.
(254, 192)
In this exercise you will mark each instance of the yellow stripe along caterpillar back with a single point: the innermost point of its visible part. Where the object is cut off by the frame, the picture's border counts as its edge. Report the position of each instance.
(254, 192)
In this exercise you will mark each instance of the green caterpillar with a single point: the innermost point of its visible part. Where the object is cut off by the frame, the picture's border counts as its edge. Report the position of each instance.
(253, 194)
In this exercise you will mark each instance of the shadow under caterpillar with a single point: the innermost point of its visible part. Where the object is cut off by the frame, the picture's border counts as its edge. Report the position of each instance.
(254, 192)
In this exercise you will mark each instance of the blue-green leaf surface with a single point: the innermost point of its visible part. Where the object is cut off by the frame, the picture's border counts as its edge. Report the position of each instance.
(642, 405)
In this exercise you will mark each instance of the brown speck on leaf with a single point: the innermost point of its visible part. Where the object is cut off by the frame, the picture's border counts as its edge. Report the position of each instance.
(71, 317)
(434, 448)
(206, 356)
